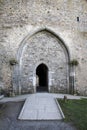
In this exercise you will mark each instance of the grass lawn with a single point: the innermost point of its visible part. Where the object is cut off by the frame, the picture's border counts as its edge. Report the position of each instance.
(75, 111)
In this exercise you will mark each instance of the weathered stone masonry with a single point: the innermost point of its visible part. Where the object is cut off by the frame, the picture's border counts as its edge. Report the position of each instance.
(46, 33)
(44, 47)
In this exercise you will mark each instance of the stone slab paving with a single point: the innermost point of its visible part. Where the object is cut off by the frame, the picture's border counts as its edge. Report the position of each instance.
(40, 106)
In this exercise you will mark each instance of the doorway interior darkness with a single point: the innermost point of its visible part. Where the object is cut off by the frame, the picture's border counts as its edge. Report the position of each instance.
(42, 73)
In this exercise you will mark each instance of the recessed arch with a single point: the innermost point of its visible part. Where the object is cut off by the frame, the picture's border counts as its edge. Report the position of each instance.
(34, 32)
(24, 44)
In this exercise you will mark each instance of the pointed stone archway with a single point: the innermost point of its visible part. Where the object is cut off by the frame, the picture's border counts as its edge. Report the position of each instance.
(43, 46)
(42, 78)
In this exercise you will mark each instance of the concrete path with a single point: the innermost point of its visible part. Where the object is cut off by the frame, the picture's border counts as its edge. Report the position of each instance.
(25, 96)
(41, 106)
(9, 121)
(15, 98)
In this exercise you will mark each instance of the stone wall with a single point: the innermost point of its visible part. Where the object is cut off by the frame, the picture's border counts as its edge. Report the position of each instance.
(18, 19)
(44, 47)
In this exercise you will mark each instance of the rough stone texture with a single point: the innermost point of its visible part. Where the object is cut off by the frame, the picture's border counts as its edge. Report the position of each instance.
(44, 48)
(19, 22)
(4, 69)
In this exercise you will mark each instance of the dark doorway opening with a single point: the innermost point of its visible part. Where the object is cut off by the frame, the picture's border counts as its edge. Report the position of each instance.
(42, 74)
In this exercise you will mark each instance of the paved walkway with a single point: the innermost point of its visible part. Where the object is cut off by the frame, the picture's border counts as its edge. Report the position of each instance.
(41, 106)
(9, 120)
(25, 96)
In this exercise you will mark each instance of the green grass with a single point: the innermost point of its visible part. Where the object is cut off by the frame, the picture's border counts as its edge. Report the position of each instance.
(75, 111)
